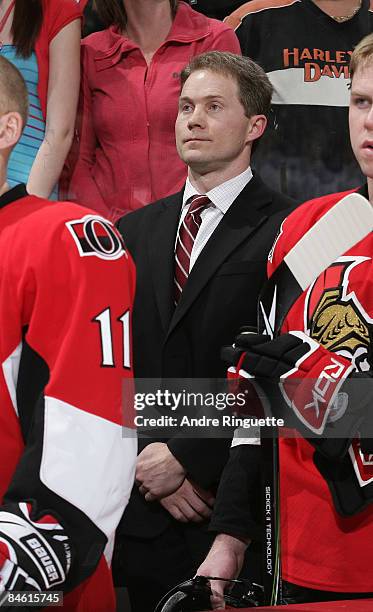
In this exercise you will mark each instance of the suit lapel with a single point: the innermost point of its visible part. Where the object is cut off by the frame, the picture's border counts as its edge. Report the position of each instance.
(248, 211)
(161, 254)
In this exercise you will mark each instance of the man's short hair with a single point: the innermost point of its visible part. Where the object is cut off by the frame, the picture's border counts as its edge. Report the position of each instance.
(362, 54)
(255, 89)
(13, 90)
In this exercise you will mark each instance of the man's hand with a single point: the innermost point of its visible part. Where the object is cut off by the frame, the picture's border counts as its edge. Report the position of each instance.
(189, 503)
(224, 560)
(158, 472)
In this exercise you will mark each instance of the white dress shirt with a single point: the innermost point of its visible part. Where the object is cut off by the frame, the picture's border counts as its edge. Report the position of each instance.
(222, 198)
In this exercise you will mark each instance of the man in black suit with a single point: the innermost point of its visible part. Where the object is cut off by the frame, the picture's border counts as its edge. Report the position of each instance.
(201, 261)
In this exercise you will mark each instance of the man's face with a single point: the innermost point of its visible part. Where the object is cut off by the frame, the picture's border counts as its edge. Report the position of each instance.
(361, 118)
(211, 126)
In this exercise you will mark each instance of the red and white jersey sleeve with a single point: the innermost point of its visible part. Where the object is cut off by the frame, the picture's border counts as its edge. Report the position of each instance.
(67, 445)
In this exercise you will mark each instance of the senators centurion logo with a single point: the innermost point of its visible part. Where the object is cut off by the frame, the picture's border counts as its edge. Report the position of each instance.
(337, 320)
(94, 235)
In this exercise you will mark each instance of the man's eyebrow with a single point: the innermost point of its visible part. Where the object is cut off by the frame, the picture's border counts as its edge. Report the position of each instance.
(208, 97)
(360, 94)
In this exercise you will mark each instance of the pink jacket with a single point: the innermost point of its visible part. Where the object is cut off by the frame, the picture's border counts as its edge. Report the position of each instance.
(127, 155)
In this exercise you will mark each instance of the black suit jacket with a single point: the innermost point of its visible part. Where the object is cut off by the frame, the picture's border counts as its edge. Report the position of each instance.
(220, 296)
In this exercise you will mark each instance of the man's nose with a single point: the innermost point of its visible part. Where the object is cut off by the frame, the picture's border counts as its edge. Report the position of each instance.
(369, 119)
(197, 118)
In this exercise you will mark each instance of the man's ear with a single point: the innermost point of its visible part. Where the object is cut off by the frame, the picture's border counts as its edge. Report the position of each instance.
(257, 125)
(11, 126)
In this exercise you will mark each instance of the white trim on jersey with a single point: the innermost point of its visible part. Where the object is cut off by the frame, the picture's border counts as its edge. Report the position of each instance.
(88, 480)
(291, 88)
(240, 437)
(109, 549)
(362, 482)
(10, 371)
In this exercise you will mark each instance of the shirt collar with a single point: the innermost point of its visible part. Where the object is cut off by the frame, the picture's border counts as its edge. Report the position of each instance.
(224, 194)
(17, 192)
(187, 27)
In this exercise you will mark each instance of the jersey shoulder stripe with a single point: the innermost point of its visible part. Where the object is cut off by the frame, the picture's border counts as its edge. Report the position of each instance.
(298, 223)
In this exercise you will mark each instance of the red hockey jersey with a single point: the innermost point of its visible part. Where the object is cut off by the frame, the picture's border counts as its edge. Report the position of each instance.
(321, 549)
(66, 293)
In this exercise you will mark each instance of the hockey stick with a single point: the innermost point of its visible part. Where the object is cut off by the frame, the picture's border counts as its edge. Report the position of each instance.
(343, 226)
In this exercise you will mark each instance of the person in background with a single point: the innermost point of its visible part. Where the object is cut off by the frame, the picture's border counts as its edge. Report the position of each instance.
(67, 447)
(326, 501)
(216, 8)
(91, 21)
(126, 156)
(41, 38)
(305, 47)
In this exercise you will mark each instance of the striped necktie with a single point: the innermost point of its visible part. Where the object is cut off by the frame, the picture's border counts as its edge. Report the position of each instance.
(188, 231)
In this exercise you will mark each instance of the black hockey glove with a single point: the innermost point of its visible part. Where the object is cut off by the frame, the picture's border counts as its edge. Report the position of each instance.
(350, 479)
(297, 373)
(34, 551)
(326, 407)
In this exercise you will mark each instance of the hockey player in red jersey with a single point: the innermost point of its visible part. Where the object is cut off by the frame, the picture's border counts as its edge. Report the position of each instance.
(326, 501)
(67, 458)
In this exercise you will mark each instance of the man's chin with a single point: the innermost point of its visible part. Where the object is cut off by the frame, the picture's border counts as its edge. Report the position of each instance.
(366, 168)
(196, 161)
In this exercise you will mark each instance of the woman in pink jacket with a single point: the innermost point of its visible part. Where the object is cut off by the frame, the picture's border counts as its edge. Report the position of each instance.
(126, 155)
